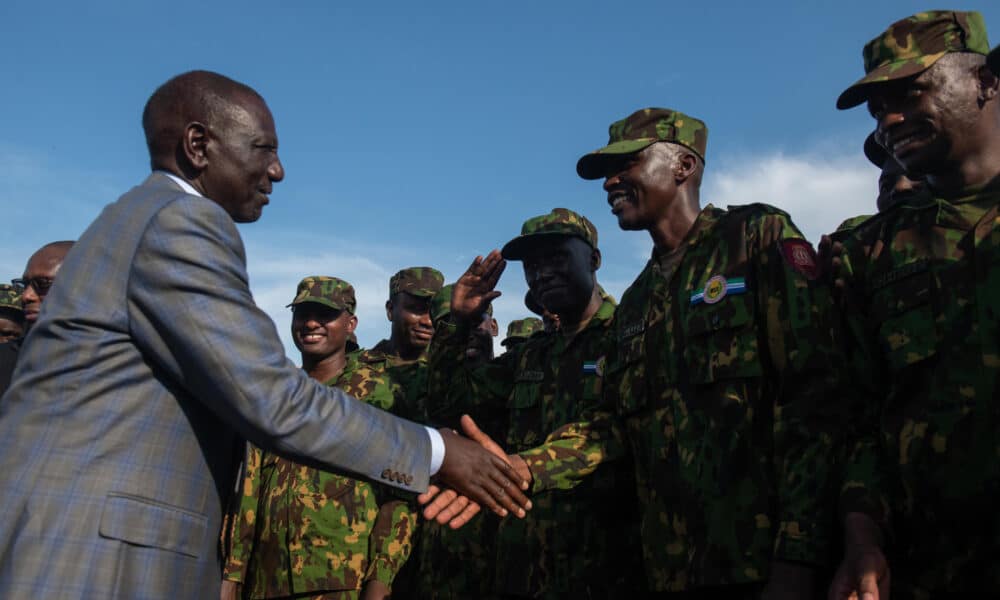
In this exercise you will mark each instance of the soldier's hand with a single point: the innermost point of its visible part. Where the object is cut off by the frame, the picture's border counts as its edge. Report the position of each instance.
(474, 290)
(448, 506)
(481, 476)
(864, 572)
(472, 431)
(830, 259)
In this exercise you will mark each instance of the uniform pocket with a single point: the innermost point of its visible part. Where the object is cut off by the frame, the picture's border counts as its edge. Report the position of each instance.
(722, 341)
(525, 411)
(628, 372)
(905, 321)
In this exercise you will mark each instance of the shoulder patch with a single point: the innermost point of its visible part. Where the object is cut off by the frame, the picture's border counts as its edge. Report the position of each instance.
(801, 257)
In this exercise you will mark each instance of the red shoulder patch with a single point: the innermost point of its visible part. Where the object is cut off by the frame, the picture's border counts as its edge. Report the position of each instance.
(801, 257)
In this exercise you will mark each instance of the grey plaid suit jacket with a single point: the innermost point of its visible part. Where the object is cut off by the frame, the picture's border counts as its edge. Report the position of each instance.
(120, 435)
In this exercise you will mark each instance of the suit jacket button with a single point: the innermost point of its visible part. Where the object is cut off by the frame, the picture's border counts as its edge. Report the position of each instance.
(409, 480)
(387, 474)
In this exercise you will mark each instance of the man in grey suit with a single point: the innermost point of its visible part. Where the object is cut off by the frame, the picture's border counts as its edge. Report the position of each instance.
(120, 435)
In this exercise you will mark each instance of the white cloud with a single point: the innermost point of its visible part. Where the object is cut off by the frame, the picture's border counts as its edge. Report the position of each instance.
(818, 191)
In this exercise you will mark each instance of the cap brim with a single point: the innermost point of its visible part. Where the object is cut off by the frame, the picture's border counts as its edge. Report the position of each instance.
(993, 60)
(595, 165)
(900, 69)
(324, 302)
(517, 247)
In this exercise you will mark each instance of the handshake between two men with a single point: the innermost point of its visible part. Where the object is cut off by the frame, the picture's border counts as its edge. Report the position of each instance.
(476, 472)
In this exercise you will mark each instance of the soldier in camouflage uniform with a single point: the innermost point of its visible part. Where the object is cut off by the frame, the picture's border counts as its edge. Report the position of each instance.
(546, 393)
(11, 313)
(721, 375)
(920, 310)
(301, 532)
(894, 186)
(520, 330)
(449, 563)
(408, 309)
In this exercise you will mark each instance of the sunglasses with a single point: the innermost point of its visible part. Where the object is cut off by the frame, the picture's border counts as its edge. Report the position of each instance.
(41, 284)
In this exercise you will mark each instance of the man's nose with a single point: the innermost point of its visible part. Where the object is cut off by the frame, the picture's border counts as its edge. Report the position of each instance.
(276, 172)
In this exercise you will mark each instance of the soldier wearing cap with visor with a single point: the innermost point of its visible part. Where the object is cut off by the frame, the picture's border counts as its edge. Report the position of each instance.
(300, 531)
(409, 310)
(921, 322)
(721, 375)
(580, 537)
(520, 330)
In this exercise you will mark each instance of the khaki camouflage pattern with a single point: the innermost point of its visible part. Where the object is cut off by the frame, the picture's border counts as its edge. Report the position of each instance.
(328, 291)
(640, 129)
(579, 539)
(920, 313)
(301, 530)
(422, 282)
(521, 329)
(993, 60)
(729, 407)
(911, 45)
(558, 222)
(382, 356)
(10, 298)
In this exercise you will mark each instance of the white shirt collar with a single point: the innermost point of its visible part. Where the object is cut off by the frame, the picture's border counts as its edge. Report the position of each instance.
(184, 185)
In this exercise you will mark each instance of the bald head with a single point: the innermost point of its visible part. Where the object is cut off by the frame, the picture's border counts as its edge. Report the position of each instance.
(39, 274)
(193, 97)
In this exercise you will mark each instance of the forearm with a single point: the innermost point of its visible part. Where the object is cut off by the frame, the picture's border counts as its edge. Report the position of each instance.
(573, 451)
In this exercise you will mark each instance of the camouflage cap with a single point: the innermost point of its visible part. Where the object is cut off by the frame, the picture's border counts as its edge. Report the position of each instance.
(993, 60)
(10, 298)
(910, 46)
(441, 304)
(640, 129)
(560, 222)
(874, 151)
(418, 281)
(521, 329)
(328, 291)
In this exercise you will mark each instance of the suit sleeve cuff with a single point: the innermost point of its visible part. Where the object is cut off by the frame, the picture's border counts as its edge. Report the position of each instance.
(437, 449)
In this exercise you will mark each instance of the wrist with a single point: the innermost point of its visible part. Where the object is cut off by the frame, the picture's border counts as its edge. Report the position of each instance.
(862, 530)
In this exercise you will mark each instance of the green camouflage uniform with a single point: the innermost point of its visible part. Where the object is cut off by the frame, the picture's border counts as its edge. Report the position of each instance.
(304, 531)
(920, 310)
(547, 392)
(520, 330)
(446, 563)
(722, 377)
(422, 282)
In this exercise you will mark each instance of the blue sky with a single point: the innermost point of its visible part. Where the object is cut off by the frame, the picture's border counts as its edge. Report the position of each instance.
(426, 133)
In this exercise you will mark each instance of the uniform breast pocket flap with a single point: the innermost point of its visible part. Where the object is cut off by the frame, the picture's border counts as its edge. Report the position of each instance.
(904, 316)
(721, 341)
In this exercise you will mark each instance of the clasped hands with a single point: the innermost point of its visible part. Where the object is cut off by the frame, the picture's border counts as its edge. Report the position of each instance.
(476, 472)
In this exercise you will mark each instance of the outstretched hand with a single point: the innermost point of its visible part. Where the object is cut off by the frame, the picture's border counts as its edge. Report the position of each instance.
(864, 573)
(475, 289)
(481, 477)
(447, 506)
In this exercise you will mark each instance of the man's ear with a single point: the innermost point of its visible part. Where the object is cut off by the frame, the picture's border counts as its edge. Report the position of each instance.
(195, 143)
(352, 323)
(686, 166)
(595, 259)
(494, 327)
(388, 309)
(989, 84)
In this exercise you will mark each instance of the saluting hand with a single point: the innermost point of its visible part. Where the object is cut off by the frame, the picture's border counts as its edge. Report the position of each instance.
(474, 290)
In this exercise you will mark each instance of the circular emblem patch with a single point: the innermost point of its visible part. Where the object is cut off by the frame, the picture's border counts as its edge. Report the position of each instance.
(715, 289)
